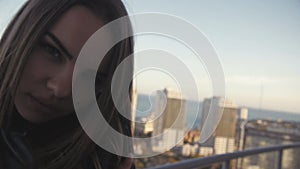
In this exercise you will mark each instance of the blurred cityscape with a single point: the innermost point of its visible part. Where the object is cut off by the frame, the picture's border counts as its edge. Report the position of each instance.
(234, 132)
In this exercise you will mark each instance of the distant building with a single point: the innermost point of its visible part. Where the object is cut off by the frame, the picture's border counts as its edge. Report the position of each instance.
(175, 109)
(195, 150)
(206, 106)
(243, 113)
(191, 150)
(171, 113)
(133, 108)
(144, 126)
(240, 129)
(171, 138)
(206, 151)
(260, 133)
(186, 150)
(224, 145)
(227, 124)
(240, 132)
(223, 139)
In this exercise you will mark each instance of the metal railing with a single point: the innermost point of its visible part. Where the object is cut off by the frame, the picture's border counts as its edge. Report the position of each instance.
(225, 158)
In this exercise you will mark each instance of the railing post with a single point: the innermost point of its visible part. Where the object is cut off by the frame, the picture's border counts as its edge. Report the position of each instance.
(279, 159)
(226, 164)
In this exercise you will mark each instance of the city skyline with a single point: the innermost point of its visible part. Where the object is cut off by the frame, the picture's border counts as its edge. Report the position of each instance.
(257, 43)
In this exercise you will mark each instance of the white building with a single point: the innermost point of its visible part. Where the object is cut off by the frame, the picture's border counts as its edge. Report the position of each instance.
(171, 138)
(223, 145)
(206, 151)
(243, 113)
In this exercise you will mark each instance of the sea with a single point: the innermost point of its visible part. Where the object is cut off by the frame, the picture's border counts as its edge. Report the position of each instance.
(146, 105)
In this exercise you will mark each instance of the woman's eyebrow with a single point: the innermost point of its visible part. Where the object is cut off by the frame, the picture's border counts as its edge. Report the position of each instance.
(59, 44)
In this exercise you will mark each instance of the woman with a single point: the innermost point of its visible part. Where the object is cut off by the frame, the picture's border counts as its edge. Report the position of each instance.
(38, 50)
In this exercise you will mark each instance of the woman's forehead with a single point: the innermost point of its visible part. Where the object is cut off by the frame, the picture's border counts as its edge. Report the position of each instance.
(74, 28)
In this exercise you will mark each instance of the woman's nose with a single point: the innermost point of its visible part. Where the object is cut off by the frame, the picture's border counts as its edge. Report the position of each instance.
(60, 83)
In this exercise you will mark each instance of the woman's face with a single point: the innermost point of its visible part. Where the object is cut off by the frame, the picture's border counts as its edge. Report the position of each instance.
(45, 88)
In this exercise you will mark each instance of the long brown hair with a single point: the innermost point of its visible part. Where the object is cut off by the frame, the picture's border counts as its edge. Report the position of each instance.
(26, 28)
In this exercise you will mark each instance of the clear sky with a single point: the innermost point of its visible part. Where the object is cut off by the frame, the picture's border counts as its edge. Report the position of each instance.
(258, 43)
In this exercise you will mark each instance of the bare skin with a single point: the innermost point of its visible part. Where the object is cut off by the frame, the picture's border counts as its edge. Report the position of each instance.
(45, 89)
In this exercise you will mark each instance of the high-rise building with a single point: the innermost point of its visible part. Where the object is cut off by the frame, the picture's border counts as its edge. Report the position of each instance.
(223, 138)
(170, 110)
(170, 113)
(206, 106)
(227, 124)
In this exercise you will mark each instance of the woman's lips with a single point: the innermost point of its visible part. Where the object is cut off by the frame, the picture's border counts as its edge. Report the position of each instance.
(41, 105)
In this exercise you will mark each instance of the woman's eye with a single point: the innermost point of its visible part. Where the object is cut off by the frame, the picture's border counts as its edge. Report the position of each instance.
(53, 51)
